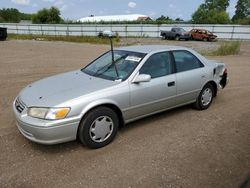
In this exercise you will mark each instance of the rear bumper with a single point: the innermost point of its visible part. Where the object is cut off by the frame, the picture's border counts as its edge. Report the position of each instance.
(224, 80)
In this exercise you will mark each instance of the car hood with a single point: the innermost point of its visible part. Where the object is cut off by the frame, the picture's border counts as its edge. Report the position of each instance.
(53, 91)
(212, 35)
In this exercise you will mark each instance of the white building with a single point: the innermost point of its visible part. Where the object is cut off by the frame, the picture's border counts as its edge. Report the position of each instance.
(115, 18)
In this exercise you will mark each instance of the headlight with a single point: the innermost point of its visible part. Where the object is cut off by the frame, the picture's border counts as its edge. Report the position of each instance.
(48, 113)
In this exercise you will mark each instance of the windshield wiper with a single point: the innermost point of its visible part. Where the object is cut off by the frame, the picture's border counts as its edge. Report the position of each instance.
(104, 68)
(108, 66)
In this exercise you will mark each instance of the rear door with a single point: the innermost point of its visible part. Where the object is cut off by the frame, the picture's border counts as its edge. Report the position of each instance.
(199, 35)
(157, 94)
(190, 76)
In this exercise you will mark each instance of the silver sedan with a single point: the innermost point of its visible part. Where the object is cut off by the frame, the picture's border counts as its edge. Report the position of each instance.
(118, 87)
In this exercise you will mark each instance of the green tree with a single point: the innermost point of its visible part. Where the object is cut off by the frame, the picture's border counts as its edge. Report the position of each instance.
(242, 10)
(212, 12)
(51, 15)
(10, 15)
(163, 19)
(25, 16)
(13, 15)
(1, 19)
(179, 20)
(220, 5)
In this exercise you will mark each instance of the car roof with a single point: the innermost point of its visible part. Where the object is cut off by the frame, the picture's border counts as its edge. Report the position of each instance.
(150, 48)
(202, 29)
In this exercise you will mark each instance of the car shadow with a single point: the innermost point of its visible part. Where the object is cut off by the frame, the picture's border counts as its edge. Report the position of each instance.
(76, 145)
(155, 117)
(246, 183)
(56, 148)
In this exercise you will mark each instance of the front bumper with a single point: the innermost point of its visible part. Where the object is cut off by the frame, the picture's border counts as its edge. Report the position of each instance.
(44, 131)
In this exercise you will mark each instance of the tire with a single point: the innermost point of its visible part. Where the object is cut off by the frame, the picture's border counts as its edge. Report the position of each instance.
(205, 97)
(98, 128)
(177, 37)
(205, 39)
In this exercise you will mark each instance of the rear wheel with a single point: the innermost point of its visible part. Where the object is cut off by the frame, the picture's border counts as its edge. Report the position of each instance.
(98, 128)
(205, 97)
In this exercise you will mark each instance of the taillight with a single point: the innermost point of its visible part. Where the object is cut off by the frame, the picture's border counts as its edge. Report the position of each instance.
(225, 71)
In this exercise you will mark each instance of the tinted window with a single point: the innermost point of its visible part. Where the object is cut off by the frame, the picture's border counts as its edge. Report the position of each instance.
(157, 65)
(185, 61)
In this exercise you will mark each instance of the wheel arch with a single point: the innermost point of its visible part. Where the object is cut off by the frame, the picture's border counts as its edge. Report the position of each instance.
(104, 103)
(213, 83)
(164, 36)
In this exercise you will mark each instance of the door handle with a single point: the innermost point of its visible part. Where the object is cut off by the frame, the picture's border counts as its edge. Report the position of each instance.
(170, 84)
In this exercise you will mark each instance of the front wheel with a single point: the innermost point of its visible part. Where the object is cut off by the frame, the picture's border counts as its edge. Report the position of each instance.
(177, 37)
(205, 97)
(98, 128)
(205, 39)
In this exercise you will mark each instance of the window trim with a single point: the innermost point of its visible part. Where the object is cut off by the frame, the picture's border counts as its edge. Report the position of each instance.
(172, 68)
(173, 60)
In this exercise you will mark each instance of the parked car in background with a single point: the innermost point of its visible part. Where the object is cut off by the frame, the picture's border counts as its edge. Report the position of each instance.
(118, 87)
(202, 34)
(107, 33)
(3, 33)
(176, 33)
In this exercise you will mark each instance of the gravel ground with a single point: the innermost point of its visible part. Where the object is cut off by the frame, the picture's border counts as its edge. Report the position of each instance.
(179, 148)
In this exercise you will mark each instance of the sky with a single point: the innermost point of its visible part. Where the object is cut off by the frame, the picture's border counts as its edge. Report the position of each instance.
(75, 9)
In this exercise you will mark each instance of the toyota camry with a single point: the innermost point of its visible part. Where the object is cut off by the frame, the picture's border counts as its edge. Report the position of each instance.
(120, 86)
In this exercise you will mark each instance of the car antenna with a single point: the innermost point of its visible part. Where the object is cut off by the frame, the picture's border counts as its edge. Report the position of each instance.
(110, 35)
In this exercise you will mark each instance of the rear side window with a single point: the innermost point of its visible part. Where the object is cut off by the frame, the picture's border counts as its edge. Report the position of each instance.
(157, 65)
(185, 61)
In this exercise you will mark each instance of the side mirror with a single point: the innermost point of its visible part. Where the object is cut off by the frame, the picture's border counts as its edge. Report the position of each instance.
(142, 78)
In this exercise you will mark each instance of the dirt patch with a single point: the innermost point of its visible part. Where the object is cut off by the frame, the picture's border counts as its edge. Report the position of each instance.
(179, 148)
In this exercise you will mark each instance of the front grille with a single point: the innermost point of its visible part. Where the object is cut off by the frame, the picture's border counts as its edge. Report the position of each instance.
(20, 106)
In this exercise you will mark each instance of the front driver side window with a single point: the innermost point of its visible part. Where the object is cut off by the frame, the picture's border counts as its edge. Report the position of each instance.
(157, 65)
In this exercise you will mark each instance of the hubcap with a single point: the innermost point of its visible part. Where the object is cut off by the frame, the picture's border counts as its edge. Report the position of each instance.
(101, 129)
(206, 96)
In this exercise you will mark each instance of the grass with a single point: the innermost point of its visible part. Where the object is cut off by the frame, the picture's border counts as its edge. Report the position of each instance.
(77, 39)
(227, 48)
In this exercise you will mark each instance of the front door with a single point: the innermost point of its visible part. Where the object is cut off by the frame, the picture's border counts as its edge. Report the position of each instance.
(157, 94)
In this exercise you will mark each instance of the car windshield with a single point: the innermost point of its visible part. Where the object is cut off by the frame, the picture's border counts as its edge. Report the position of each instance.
(208, 32)
(124, 61)
(181, 30)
